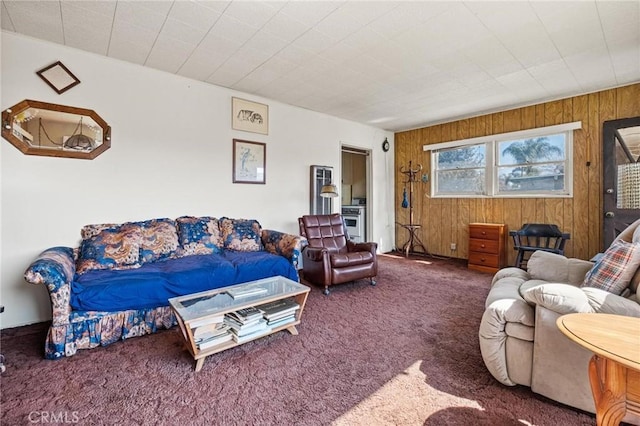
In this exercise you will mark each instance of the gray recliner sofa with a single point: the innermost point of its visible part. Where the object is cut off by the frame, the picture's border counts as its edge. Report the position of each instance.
(519, 339)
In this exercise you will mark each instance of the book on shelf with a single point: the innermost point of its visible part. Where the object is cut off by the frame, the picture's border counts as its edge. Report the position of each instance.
(278, 308)
(281, 321)
(209, 331)
(239, 293)
(216, 319)
(215, 341)
(245, 315)
(280, 315)
(250, 336)
(248, 329)
(234, 323)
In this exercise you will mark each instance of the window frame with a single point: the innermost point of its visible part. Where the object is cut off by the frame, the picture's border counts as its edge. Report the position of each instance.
(491, 143)
(434, 168)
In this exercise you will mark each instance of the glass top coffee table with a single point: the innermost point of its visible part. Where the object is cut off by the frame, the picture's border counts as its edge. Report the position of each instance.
(220, 319)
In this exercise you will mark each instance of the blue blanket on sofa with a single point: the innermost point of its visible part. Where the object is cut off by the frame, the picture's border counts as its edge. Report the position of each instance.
(152, 284)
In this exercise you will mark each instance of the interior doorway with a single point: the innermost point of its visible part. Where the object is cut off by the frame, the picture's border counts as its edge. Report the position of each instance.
(621, 148)
(354, 192)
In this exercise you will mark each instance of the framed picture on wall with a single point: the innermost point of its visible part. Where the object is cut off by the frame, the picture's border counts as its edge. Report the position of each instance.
(249, 116)
(58, 77)
(249, 162)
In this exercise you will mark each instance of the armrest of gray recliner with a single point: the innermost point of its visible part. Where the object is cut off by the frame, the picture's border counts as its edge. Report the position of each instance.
(560, 298)
(507, 316)
(567, 299)
(510, 272)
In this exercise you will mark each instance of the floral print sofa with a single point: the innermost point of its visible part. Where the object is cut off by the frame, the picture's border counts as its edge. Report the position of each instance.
(117, 284)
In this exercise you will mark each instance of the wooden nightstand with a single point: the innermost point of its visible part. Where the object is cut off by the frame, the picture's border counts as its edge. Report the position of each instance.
(486, 246)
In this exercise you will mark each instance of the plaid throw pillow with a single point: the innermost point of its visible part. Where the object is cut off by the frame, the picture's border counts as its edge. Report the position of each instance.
(614, 270)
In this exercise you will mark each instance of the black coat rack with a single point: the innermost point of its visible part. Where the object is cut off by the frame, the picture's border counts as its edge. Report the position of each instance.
(414, 241)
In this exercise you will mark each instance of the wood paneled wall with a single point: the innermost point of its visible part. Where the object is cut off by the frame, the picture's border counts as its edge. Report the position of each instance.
(445, 221)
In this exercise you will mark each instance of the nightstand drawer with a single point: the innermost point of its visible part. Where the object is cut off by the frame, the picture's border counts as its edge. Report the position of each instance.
(484, 232)
(484, 246)
(483, 259)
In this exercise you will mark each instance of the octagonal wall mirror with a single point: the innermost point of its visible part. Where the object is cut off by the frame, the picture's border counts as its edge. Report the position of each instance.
(41, 128)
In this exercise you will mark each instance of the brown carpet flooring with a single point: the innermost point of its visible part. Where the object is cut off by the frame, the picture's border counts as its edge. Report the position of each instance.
(402, 353)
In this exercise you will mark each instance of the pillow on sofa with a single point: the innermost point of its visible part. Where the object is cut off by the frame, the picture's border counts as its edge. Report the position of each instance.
(159, 239)
(615, 268)
(89, 231)
(199, 235)
(111, 248)
(241, 234)
(635, 280)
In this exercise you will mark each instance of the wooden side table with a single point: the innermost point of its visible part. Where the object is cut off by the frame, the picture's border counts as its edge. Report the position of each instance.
(614, 369)
(486, 246)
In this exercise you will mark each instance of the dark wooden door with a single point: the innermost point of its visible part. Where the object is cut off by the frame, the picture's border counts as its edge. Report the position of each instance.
(621, 144)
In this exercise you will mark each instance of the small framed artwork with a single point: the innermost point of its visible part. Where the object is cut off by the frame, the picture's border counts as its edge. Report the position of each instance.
(58, 77)
(249, 162)
(249, 116)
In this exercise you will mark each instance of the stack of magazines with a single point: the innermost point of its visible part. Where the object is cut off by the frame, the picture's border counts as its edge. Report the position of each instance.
(208, 335)
(245, 324)
(279, 312)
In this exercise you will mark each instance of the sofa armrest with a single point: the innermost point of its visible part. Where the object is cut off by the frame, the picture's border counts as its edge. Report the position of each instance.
(55, 268)
(286, 245)
(567, 299)
(501, 321)
(510, 272)
(560, 298)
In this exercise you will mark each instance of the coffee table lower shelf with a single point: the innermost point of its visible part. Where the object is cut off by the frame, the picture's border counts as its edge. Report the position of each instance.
(200, 356)
(278, 288)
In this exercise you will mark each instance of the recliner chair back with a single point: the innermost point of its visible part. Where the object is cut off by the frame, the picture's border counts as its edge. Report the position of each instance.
(326, 231)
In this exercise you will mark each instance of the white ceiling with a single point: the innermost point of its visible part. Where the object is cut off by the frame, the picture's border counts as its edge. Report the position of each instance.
(391, 64)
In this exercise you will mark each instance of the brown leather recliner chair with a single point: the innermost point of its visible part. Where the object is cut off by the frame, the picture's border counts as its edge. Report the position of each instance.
(331, 258)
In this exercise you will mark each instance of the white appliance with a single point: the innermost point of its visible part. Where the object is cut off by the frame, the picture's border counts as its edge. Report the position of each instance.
(355, 220)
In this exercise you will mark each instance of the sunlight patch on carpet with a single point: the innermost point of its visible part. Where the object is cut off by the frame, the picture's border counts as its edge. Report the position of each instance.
(395, 256)
(392, 256)
(407, 398)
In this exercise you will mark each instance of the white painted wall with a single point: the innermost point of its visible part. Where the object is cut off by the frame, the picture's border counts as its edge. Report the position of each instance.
(170, 156)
